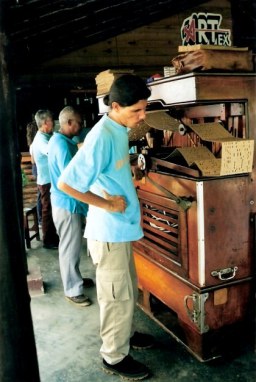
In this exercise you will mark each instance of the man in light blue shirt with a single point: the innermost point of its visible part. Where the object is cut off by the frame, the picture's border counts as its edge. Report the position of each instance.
(100, 175)
(39, 151)
(68, 213)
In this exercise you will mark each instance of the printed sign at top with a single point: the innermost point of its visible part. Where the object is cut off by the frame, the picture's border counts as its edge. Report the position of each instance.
(204, 28)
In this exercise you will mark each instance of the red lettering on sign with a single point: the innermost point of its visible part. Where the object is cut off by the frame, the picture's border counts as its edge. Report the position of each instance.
(190, 31)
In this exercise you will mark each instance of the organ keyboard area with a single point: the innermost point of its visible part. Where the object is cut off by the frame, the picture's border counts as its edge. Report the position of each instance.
(195, 263)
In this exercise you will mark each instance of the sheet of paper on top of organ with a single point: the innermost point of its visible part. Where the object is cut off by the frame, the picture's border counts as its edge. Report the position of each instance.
(211, 131)
(157, 119)
(160, 120)
(198, 157)
(193, 154)
(236, 153)
(209, 167)
(138, 133)
(234, 156)
(237, 156)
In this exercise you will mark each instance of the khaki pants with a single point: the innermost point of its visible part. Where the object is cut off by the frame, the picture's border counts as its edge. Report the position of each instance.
(117, 293)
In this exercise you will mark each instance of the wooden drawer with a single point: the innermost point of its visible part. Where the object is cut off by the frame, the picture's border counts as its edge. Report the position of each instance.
(204, 320)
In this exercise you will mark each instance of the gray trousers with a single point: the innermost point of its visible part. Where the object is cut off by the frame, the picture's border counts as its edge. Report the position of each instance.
(69, 228)
(117, 293)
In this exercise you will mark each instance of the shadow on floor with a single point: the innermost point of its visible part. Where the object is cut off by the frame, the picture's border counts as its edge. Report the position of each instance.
(68, 341)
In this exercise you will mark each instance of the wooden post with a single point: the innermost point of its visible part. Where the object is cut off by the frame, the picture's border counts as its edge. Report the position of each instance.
(18, 359)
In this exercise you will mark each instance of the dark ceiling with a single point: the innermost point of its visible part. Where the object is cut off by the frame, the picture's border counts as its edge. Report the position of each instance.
(41, 30)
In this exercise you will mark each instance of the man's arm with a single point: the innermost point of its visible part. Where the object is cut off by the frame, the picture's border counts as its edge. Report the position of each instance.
(111, 203)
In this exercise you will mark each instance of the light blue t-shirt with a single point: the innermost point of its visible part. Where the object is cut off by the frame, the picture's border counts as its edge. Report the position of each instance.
(39, 150)
(103, 164)
(61, 150)
(80, 138)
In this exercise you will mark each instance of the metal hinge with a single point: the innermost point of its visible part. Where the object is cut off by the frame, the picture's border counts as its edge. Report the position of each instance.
(197, 312)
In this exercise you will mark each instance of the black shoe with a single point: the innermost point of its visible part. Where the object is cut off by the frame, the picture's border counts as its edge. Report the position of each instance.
(141, 341)
(128, 368)
(88, 283)
(80, 300)
(50, 246)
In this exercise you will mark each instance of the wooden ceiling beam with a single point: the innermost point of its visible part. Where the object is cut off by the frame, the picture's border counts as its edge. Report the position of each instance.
(41, 30)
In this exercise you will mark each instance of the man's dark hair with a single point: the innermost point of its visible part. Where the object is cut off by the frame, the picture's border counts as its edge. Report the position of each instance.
(31, 131)
(127, 90)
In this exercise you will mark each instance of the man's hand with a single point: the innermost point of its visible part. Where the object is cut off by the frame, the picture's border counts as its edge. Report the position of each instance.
(137, 173)
(116, 203)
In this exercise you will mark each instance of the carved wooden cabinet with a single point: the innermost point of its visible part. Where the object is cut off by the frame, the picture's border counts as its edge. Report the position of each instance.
(195, 263)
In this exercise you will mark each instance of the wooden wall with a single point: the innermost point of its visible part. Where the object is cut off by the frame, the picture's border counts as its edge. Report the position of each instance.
(147, 50)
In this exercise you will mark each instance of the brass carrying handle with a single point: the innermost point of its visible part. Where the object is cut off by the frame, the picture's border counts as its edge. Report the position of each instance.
(225, 274)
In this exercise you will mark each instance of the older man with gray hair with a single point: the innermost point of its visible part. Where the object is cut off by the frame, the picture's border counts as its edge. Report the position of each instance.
(68, 213)
(39, 152)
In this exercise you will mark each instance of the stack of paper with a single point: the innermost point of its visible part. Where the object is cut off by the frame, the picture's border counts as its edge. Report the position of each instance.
(105, 79)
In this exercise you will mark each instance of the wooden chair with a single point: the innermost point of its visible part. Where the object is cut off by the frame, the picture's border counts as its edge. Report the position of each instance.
(31, 227)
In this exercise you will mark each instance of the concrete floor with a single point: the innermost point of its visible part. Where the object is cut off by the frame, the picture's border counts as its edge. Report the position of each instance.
(68, 342)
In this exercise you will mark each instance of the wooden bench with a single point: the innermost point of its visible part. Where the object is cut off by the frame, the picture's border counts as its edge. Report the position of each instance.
(30, 189)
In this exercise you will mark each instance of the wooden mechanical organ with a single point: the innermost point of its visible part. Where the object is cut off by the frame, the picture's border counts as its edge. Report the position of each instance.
(195, 263)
